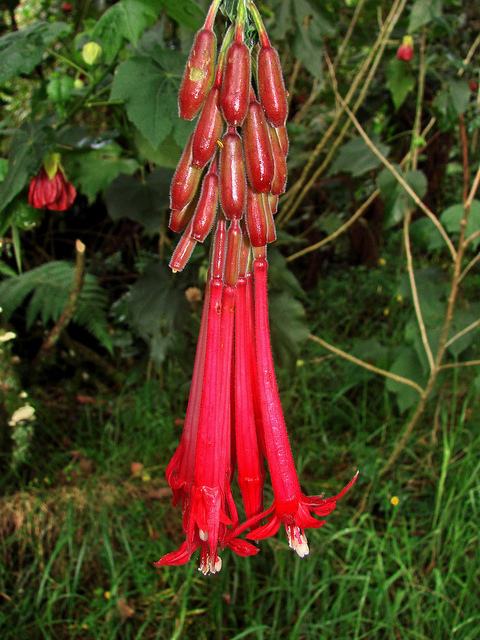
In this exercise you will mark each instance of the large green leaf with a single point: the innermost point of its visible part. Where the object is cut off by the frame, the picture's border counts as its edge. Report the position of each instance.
(185, 12)
(397, 200)
(21, 51)
(452, 216)
(141, 200)
(407, 365)
(126, 20)
(356, 158)
(149, 86)
(28, 147)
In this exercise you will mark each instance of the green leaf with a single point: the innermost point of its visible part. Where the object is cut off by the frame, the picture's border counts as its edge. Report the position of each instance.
(400, 81)
(28, 147)
(310, 30)
(144, 201)
(460, 93)
(397, 200)
(423, 12)
(425, 235)
(149, 87)
(356, 158)
(407, 365)
(94, 170)
(452, 216)
(461, 320)
(21, 51)
(186, 12)
(156, 308)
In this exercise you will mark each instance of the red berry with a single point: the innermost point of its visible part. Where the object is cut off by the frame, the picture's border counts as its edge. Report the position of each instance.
(208, 130)
(473, 85)
(258, 151)
(185, 180)
(198, 75)
(271, 87)
(232, 175)
(279, 181)
(206, 208)
(235, 90)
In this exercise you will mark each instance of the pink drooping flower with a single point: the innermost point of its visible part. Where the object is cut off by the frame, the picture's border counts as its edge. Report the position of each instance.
(405, 50)
(50, 189)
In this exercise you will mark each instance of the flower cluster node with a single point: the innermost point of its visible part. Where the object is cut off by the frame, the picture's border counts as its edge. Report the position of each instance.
(234, 424)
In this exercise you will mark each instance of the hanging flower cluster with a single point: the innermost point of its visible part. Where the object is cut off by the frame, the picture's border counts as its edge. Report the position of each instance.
(50, 189)
(234, 420)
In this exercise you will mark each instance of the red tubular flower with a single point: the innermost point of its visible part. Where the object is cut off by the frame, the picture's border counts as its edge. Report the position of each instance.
(291, 507)
(54, 193)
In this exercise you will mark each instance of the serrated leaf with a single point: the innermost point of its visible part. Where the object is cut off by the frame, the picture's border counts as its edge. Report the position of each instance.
(149, 88)
(356, 158)
(21, 51)
(400, 81)
(156, 309)
(94, 170)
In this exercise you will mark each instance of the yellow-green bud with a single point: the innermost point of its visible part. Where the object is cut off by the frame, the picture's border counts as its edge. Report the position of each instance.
(78, 83)
(91, 53)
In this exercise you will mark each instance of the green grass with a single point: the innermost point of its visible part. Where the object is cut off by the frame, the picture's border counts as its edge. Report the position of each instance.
(73, 549)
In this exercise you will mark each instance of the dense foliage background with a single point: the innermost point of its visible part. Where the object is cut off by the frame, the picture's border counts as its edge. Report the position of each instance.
(375, 314)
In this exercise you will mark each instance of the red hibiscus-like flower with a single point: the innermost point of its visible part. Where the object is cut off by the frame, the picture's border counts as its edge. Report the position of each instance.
(49, 189)
(405, 50)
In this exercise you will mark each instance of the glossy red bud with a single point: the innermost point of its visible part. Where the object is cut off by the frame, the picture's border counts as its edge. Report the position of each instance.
(198, 74)
(283, 137)
(258, 150)
(209, 129)
(183, 251)
(185, 180)
(232, 175)
(206, 208)
(217, 262)
(271, 87)
(255, 219)
(273, 201)
(279, 182)
(271, 230)
(235, 90)
(234, 247)
(179, 219)
(245, 251)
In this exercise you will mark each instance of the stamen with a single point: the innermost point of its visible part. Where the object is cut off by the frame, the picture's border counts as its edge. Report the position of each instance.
(297, 540)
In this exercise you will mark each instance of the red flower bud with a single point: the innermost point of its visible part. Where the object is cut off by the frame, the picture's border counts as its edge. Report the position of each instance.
(258, 151)
(255, 219)
(273, 201)
(183, 251)
(198, 75)
(283, 137)
(179, 219)
(234, 93)
(271, 231)
(209, 129)
(279, 182)
(232, 175)
(271, 87)
(185, 180)
(207, 206)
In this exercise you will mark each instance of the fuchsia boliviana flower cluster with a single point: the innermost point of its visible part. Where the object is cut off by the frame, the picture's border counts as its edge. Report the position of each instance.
(234, 420)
